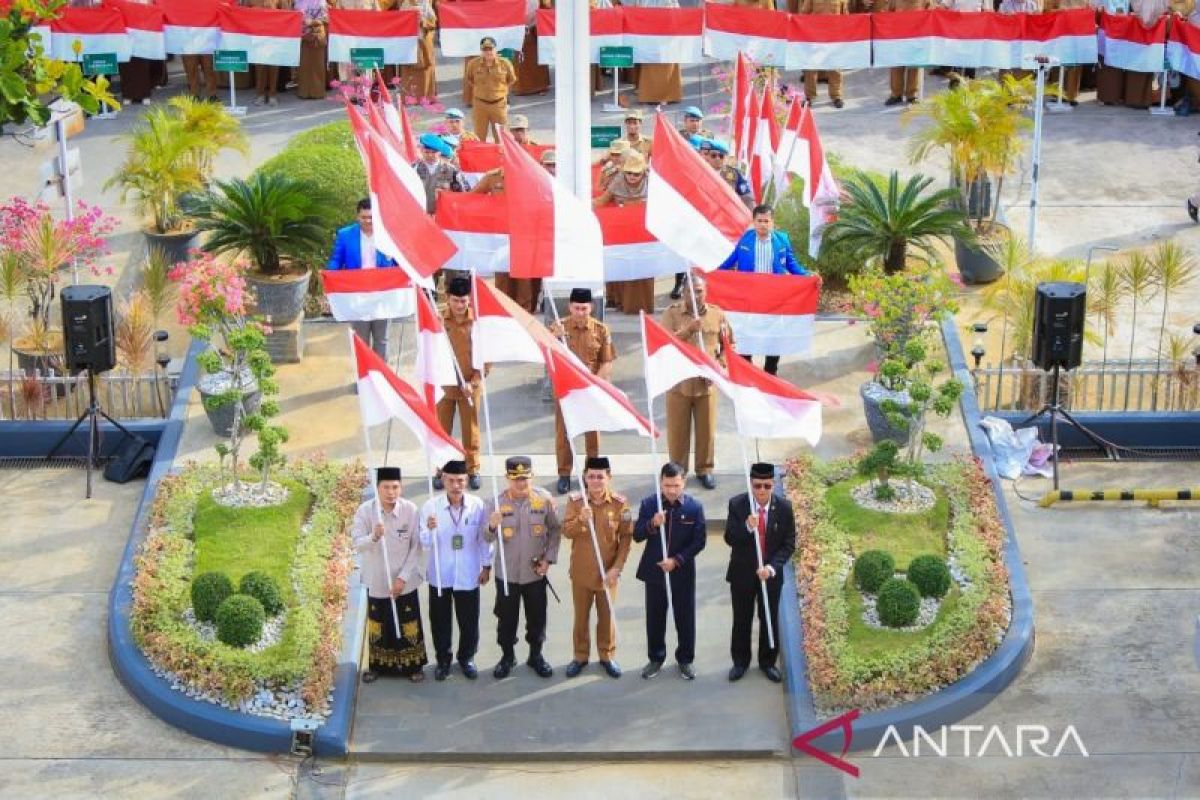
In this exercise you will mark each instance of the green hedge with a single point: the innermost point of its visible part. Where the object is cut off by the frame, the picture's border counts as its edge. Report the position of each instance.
(335, 134)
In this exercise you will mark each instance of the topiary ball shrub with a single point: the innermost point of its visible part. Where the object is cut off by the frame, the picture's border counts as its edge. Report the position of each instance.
(930, 575)
(208, 592)
(872, 568)
(263, 588)
(240, 620)
(898, 603)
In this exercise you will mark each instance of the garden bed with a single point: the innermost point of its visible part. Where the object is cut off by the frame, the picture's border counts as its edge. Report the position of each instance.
(853, 665)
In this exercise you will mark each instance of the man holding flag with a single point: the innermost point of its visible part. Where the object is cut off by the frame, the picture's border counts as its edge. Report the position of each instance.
(458, 322)
(354, 248)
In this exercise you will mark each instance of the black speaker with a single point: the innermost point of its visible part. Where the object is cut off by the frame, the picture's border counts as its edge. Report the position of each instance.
(132, 460)
(87, 313)
(1058, 318)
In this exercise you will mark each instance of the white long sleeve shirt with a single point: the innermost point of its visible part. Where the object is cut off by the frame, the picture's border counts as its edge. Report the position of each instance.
(404, 554)
(461, 565)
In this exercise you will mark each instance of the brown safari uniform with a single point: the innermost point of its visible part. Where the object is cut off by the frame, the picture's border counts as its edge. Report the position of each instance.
(904, 80)
(693, 402)
(613, 521)
(834, 76)
(489, 92)
(455, 400)
(642, 145)
(592, 343)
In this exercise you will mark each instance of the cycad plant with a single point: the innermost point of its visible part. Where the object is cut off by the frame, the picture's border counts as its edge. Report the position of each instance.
(1137, 276)
(1173, 269)
(885, 226)
(1105, 295)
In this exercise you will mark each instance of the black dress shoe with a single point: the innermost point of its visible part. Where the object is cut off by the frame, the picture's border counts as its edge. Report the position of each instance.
(612, 668)
(893, 101)
(736, 672)
(687, 672)
(564, 484)
(839, 102)
(708, 481)
(441, 672)
(1193, 211)
(469, 669)
(540, 666)
(503, 668)
(772, 674)
(651, 669)
(369, 677)
(473, 482)
(574, 668)
(437, 483)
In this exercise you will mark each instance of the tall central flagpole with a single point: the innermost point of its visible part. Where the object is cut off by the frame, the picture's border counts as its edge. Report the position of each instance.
(662, 529)
(757, 547)
(487, 432)
(573, 104)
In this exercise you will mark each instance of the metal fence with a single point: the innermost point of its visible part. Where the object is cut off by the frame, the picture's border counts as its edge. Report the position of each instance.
(1140, 385)
(46, 394)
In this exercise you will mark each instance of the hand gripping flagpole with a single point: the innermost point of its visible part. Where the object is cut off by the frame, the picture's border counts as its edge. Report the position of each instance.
(662, 529)
(757, 546)
(487, 431)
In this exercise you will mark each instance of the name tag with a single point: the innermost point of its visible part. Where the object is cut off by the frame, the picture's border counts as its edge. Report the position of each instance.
(456, 541)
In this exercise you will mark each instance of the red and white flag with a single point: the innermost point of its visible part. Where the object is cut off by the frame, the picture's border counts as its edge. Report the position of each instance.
(478, 226)
(269, 36)
(765, 144)
(771, 315)
(497, 335)
(1070, 35)
(394, 32)
(1127, 44)
(802, 155)
(689, 207)
(397, 121)
(767, 407)
(902, 39)
(383, 395)
(462, 25)
(664, 35)
(476, 158)
(95, 30)
(587, 401)
(604, 30)
(1183, 48)
(190, 27)
(829, 41)
(762, 34)
(670, 360)
(743, 88)
(363, 129)
(551, 232)
(435, 356)
(357, 295)
(144, 26)
(630, 251)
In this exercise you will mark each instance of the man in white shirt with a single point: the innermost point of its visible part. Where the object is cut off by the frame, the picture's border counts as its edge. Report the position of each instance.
(461, 564)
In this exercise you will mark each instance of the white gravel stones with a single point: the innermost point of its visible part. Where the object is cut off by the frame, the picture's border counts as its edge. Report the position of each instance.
(250, 494)
(911, 497)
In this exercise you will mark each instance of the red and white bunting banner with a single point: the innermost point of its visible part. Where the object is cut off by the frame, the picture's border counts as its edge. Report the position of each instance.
(478, 226)
(762, 34)
(191, 27)
(630, 251)
(269, 36)
(664, 35)
(771, 315)
(476, 158)
(604, 31)
(497, 336)
(1183, 48)
(901, 39)
(356, 295)
(96, 30)
(1127, 44)
(462, 25)
(967, 39)
(144, 26)
(394, 32)
(829, 41)
(1070, 36)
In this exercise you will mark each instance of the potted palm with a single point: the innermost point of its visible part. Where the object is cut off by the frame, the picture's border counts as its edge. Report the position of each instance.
(978, 125)
(271, 218)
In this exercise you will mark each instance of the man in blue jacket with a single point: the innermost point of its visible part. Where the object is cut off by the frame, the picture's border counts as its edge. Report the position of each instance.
(683, 517)
(764, 250)
(353, 247)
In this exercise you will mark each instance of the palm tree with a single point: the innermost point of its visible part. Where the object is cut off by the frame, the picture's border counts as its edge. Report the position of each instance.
(1105, 296)
(878, 226)
(213, 128)
(1173, 269)
(1137, 276)
(159, 168)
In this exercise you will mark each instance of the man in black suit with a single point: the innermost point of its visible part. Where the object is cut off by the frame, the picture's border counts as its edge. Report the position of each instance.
(768, 519)
(683, 517)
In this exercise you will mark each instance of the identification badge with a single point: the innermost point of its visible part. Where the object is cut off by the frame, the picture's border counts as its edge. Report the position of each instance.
(539, 530)
(506, 509)
(508, 533)
(456, 541)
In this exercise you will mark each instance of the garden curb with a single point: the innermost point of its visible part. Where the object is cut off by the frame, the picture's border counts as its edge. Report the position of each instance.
(966, 695)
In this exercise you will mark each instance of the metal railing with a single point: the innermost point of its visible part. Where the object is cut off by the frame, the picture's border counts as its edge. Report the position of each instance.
(48, 395)
(1140, 385)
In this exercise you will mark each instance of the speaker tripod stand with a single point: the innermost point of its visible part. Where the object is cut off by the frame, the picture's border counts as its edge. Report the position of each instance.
(1055, 410)
(92, 414)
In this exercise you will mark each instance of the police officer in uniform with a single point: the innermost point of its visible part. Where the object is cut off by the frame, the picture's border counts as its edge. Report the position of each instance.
(488, 77)
(589, 339)
(693, 120)
(613, 522)
(527, 527)
(715, 153)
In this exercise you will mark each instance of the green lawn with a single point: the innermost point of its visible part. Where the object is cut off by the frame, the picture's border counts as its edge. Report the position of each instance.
(239, 540)
(868, 641)
(905, 536)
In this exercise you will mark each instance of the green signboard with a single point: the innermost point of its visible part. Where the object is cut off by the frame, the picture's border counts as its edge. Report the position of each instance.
(604, 135)
(366, 57)
(616, 56)
(99, 63)
(509, 53)
(231, 61)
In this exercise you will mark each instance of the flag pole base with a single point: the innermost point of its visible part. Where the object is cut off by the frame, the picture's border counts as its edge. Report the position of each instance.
(1162, 111)
(1059, 108)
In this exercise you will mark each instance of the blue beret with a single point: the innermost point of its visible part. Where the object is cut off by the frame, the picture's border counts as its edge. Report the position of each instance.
(451, 140)
(697, 142)
(692, 111)
(720, 147)
(432, 141)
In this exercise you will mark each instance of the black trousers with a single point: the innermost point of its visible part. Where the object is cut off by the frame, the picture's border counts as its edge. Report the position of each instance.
(508, 608)
(683, 598)
(465, 608)
(746, 598)
(770, 363)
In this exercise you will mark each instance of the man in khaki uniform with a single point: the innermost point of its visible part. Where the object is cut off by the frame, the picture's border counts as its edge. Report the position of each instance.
(634, 139)
(904, 80)
(589, 339)
(527, 525)
(489, 77)
(693, 402)
(519, 128)
(834, 76)
(458, 321)
(613, 521)
(610, 164)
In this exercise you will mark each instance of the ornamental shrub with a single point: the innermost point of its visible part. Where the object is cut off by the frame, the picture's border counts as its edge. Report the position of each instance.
(208, 592)
(263, 588)
(872, 568)
(930, 575)
(240, 620)
(898, 603)
(336, 171)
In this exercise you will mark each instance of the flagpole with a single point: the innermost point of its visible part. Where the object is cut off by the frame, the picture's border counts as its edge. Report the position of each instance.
(487, 432)
(387, 444)
(757, 545)
(662, 529)
(437, 558)
(462, 383)
(387, 566)
(696, 311)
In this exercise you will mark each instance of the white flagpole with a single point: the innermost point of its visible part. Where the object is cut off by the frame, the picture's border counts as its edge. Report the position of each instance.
(696, 312)
(387, 566)
(387, 443)
(462, 383)
(487, 432)
(662, 529)
(437, 558)
(757, 546)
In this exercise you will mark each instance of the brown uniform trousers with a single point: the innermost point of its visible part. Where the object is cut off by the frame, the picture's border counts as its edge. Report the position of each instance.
(192, 67)
(613, 520)
(905, 80)
(692, 404)
(489, 87)
(455, 399)
(833, 75)
(592, 343)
